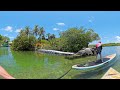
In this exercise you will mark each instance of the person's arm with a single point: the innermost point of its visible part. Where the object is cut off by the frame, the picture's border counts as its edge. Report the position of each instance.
(4, 73)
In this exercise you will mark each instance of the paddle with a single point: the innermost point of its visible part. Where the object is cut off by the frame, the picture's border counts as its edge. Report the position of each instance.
(64, 74)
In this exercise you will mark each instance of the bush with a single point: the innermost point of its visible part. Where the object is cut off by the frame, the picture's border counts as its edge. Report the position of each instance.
(24, 43)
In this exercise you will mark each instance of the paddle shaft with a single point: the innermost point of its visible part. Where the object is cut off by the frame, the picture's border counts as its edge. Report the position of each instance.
(64, 74)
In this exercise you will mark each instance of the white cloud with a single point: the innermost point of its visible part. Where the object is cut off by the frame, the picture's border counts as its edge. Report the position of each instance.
(61, 24)
(18, 30)
(55, 29)
(118, 38)
(8, 28)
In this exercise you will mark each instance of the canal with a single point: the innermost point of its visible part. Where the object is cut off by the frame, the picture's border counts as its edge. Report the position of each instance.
(33, 65)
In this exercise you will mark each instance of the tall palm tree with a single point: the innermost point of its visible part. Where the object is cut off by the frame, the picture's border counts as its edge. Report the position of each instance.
(21, 32)
(48, 35)
(27, 31)
(52, 36)
(43, 37)
(36, 30)
(41, 33)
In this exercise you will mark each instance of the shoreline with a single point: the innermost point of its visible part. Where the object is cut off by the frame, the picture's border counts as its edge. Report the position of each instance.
(55, 52)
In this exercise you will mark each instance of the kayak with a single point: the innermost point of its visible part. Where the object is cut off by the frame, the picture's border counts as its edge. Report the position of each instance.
(111, 74)
(95, 64)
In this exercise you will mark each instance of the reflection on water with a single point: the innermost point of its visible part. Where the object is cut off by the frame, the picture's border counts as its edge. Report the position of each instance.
(30, 64)
(33, 65)
(6, 57)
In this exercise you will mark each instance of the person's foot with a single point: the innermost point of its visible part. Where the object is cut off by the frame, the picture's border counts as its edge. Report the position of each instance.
(102, 60)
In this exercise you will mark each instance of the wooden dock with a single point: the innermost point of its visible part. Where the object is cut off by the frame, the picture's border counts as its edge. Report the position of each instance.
(111, 74)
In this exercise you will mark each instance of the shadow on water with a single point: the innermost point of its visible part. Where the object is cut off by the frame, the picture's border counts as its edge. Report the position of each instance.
(96, 73)
(90, 74)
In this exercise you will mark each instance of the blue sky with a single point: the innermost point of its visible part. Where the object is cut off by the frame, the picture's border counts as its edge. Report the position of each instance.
(105, 23)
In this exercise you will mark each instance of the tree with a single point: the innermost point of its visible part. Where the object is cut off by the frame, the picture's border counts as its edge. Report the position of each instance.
(36, 30)
(43, 37)
(52, 36)
(41, 33)
(48, 35)
(26, 39)
(74, 39)
(27, 30)
(4, 40)
(23, 32)
(91, 36)
(0, 37)
(23, 43)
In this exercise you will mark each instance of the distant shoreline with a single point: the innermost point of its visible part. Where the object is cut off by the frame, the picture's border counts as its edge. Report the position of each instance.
(107, 44)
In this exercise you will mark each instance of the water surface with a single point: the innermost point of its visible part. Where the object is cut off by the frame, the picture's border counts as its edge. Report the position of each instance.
(28, 65)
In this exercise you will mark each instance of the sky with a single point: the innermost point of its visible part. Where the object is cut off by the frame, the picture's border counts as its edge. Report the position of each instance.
(104, 23)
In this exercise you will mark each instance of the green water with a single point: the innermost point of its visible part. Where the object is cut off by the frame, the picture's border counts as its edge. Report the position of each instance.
(33, 65)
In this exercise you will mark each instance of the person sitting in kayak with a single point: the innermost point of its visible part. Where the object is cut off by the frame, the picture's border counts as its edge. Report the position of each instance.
(99, 50)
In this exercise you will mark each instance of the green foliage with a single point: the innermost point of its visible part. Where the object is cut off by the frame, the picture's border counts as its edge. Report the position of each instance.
(27, 39)
(111, 44)
(41, 33)
(70, 40)
(4, 40)
(44, 41)
(35, 30)
(75, 39)
(91, 35)
(0, 37)
(24, 43)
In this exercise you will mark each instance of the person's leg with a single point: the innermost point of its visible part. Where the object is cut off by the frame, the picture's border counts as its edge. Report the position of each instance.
(96, 56)
(101, 57)
(4, 73)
